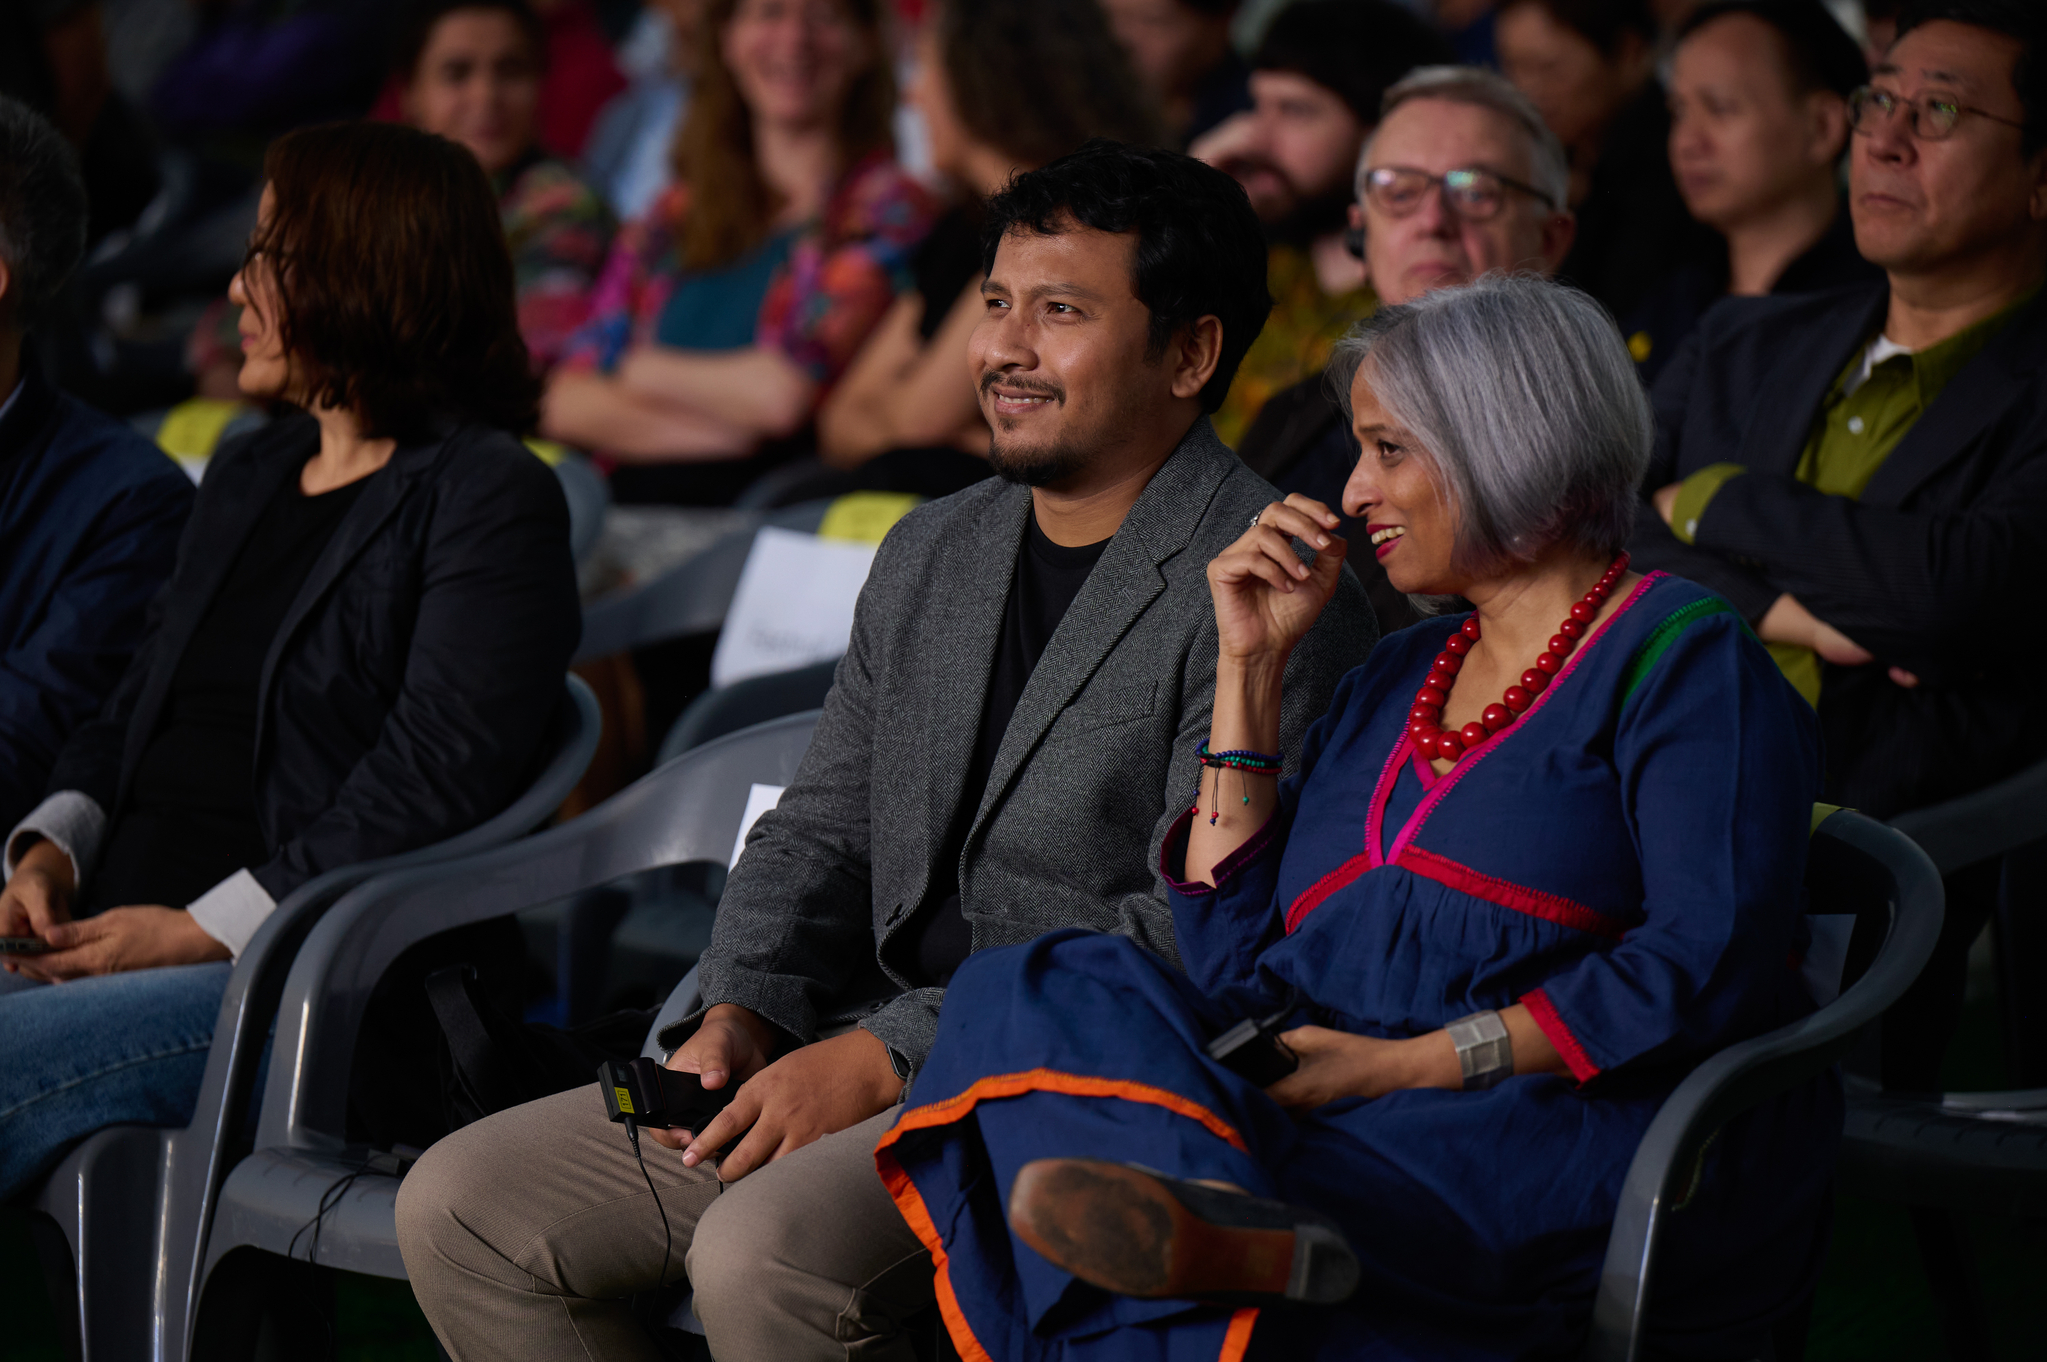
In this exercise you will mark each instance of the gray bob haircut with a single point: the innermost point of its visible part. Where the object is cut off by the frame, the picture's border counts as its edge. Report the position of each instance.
(1549, 170)
(1527, 409)
(42, 209)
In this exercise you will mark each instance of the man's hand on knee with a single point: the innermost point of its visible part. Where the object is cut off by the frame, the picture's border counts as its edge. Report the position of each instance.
(807, 1093)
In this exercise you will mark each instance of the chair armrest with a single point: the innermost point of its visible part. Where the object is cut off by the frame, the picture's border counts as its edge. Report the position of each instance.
(1985, 823)
(1752, 1072)
(688, 810)
(683, 999)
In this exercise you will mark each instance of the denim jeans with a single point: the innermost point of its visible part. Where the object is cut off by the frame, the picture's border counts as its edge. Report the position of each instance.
(119, 1049)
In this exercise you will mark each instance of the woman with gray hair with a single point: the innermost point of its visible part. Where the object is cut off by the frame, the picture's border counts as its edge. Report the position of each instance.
(1535, 863)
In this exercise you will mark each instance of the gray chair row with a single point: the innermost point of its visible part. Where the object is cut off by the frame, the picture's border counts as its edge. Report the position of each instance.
(690, 598)
(687, 810)
(132, 1204)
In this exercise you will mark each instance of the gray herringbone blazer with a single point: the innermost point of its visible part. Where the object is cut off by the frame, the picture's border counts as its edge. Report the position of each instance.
(1098, 760)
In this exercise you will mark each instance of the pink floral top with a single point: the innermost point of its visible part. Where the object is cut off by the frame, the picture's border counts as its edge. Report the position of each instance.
(843, 271)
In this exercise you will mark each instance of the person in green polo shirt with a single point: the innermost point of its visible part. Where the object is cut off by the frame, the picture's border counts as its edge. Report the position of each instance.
(1863, 473)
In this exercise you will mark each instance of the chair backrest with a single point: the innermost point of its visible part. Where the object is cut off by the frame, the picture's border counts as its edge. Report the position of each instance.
(1856, 865)
(687, 810)
(689, 598)
(746, 703)
(1988, 822)
(588, 496)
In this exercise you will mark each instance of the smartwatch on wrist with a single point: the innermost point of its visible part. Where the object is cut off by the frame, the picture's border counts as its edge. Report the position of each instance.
(1484, 1051)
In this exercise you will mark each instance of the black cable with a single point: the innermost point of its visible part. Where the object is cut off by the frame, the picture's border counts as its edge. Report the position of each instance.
(632, 1135)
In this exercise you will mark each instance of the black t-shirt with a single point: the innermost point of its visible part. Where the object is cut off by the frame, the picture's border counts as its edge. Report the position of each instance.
(190, 819)
(1047, 579)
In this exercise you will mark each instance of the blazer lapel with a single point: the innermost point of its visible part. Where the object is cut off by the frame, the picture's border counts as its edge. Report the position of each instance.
(1975, 398)
(973, 581)
(1787, 404)
(1120, 589)
(388, 488)
(237, 492)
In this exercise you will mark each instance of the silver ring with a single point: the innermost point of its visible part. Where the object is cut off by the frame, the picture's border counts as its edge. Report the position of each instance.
(1255, 515)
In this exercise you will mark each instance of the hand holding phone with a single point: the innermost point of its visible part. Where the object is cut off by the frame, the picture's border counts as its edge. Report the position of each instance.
(24, 945)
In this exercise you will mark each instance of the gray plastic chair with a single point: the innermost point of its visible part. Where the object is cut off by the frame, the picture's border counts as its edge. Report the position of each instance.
(1976, 1152)
(589, 497)
(133, 1202)
(690, 598)
(1858, 866)
(746, 703)
(684, 811)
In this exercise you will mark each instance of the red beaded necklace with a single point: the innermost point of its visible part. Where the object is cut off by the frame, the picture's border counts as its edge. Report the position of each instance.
(1434, 741)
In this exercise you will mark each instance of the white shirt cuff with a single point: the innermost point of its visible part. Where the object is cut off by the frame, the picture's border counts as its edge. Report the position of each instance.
(71, 819)
(232, 910)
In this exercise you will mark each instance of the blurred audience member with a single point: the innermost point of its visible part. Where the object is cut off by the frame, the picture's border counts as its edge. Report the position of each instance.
(1589, 65)
(53, 57)
(471, 71)
(1759, 118)
(627, 155)
(1880, 21)
(90, 512)
(1011, 734)
(1469, 24)
(726, 313)
(1316, 83)
(1864, 473)
(1461, 178)
(580, 78)
(906, 413)
(1182, 50)
(363, 638)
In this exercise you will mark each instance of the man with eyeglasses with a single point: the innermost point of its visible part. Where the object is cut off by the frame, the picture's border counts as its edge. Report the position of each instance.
(1460, 178)
(1864, 473)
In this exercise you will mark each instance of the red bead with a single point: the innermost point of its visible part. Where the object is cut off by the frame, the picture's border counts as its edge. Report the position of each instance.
(1417, 729)
(1448, 745)
(1473, 734)
(1550, 663)
(1582, 611)
(1447, 664)
(1561, 644)
(1572, 628)
(1496, 717)
(1432, 695)
(1518, 698)
(1470, 629)
(1534, 681)
(1428, 713)
(1458, 644)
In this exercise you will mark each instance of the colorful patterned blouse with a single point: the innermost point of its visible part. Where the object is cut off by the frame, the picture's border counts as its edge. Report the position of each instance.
(559, 232)
(842, 272)
(1305, 324)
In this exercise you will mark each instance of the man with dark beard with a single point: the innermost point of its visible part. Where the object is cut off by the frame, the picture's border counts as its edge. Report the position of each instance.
(1018, 721)
(1316, 83)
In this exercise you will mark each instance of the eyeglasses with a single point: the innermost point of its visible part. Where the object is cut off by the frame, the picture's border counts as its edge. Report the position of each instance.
(1929, 120)
(1472, 193)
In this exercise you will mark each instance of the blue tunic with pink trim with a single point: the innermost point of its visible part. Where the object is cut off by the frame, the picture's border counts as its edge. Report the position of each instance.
(1626, 860)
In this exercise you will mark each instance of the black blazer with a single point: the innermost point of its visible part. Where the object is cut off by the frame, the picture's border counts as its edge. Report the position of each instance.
(1932, 570)
(404, 698)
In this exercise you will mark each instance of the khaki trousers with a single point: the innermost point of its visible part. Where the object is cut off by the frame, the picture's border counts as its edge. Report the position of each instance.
(526, 1235)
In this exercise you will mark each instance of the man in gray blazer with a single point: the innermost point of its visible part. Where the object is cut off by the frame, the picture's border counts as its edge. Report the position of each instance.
(1013, 729)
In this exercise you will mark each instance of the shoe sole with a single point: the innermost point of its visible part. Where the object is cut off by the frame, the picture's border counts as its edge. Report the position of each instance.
(1128, 1231)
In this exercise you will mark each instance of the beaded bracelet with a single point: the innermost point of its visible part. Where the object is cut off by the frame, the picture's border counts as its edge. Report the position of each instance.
(1240, 759)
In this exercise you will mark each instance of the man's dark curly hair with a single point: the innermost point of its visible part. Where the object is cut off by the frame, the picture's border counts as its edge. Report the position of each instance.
(1200, 251)
(2025, 20)
(394, 280)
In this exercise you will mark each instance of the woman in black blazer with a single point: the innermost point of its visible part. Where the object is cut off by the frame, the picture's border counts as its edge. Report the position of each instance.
(357, 654)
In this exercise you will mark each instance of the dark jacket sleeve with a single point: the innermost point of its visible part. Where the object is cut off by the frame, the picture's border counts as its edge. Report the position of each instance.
(56, 680)
(1653, 547)
(496, 623)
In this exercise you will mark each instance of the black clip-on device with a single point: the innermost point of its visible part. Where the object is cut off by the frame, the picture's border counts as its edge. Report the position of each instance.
(1253, 1050)
(639, 1093)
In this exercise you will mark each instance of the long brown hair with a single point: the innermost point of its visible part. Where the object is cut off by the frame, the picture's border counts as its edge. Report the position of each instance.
(1036, 78)
(394, 283)
(730, 205)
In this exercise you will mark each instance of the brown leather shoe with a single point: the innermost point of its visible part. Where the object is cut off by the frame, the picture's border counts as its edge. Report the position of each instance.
(1137, 1232)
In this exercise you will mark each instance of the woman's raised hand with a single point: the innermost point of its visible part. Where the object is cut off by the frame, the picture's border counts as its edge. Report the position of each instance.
(1265, 597)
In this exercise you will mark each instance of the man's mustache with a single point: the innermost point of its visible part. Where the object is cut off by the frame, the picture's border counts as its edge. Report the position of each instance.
(1033, 387)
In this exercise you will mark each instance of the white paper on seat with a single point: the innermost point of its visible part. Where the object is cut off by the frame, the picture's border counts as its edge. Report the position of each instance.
(759, 800)
(793, 607)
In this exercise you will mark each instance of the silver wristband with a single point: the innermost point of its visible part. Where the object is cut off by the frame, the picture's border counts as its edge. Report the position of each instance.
(1484, 1051)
